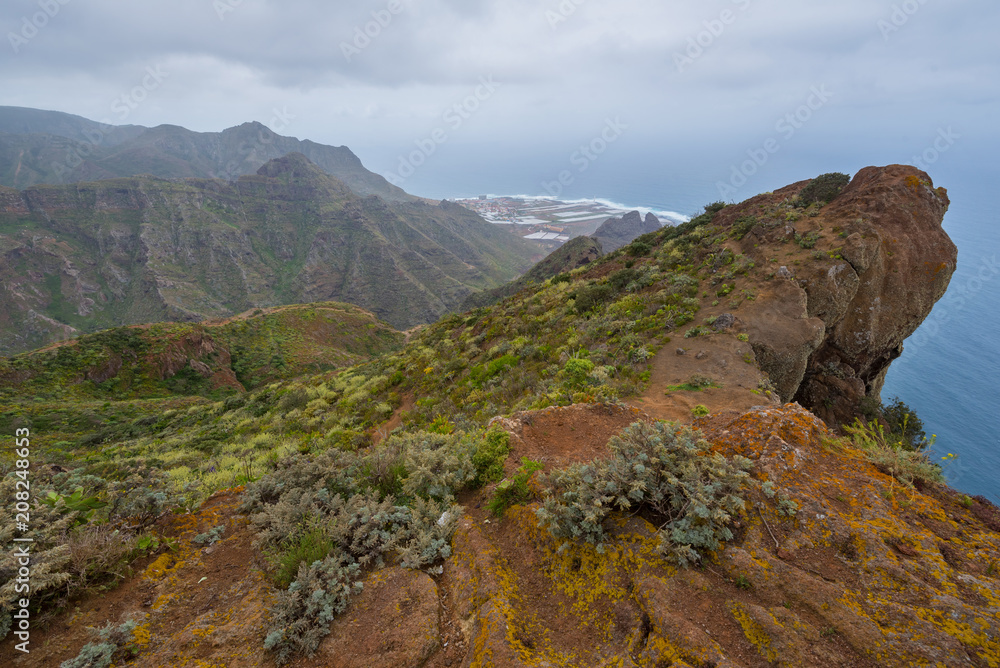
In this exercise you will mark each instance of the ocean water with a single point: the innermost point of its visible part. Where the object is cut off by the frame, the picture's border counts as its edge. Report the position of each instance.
(950, 368)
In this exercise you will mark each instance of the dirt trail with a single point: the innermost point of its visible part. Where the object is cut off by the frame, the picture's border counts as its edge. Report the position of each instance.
(720, 357)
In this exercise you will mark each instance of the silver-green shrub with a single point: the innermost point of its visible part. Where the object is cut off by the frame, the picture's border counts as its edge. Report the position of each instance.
(437, 465)
(108, 642)
(339, 504)
(301, 616)
(662, 468)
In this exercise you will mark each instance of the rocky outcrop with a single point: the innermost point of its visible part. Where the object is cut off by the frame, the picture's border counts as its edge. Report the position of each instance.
(617, 232)
(851, 282)
(852, 579)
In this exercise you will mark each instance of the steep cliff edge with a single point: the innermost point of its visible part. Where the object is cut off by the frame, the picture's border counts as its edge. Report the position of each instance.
(851, 281)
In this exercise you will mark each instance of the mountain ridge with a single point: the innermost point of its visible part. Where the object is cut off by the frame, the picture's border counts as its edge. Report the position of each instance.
(46, 147)
(140, 249)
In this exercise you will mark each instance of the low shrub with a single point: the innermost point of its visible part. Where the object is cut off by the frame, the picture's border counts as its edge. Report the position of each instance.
(438, 466)
(889, 456)
(663, 469)
(743, 225)
(324, 519)
(111, 643)
(301, 616)
(590, 297)
(823, 189)
(807, 240)
(210, 537)
(312, 546)
(490, 456)
(512, 491)
(904, 427)
(577, 371)
(639, 248)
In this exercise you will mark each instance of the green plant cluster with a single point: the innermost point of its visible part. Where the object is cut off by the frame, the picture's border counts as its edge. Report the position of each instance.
(84, 534)
(743, 225)
(489, 458)
(823, 189)
(807, 240)
(110, 643)
(904, 428)
(302, 614)
(910, 467)
(662, 469)
(514, 490)
(210, 537)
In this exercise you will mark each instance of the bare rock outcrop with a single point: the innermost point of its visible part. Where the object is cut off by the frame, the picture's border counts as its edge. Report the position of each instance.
(617, 232)
(831, 321)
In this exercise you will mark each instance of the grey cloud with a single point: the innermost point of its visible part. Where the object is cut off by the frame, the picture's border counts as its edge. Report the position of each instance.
(559, 77)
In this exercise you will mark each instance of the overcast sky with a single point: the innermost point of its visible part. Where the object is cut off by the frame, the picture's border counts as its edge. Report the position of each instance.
(703, 81)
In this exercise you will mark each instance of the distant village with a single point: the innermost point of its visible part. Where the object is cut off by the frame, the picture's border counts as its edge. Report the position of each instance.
(549, 222)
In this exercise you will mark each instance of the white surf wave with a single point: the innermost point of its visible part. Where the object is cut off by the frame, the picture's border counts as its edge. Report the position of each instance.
(615, 207)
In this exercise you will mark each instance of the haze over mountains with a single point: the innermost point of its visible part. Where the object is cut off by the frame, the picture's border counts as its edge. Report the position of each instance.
(138, 244)
(52, 147)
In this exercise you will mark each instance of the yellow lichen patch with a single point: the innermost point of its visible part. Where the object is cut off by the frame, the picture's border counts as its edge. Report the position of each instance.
(141, 635)
(662, 652)
(592, 580)
(520, 623)
(914, 182)
(754, 632)
(164, 566)
(979, 639)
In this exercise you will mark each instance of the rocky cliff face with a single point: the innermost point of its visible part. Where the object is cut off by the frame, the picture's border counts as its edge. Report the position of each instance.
(851, 282)
(617, 232)
(97, 255)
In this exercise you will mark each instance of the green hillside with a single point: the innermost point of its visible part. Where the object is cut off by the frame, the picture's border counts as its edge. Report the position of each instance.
(91, 256)
(200, 359)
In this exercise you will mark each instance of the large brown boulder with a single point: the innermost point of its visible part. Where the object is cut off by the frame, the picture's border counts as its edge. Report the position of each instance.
(831, 321)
